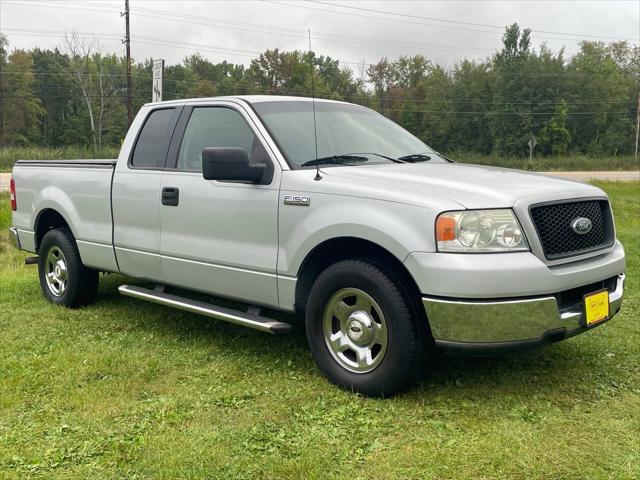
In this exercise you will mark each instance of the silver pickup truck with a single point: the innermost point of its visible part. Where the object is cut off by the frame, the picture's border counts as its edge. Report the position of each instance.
(329, 210)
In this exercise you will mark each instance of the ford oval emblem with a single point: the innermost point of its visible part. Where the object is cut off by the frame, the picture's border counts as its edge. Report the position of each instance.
(581, 226)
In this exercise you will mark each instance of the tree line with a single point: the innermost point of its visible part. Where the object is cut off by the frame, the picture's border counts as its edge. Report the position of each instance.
(76, 94)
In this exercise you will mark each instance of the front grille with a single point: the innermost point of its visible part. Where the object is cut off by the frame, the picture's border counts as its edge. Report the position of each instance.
(553, 222)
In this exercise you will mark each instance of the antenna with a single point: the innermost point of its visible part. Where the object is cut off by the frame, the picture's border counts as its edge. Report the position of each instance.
(313, 102)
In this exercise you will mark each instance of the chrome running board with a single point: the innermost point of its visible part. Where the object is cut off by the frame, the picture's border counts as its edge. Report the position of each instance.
(250, 320)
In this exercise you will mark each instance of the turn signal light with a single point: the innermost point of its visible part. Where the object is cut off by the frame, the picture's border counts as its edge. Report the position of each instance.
(445, 228)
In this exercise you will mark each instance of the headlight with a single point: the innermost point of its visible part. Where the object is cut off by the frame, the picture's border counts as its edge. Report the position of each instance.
(480, 231)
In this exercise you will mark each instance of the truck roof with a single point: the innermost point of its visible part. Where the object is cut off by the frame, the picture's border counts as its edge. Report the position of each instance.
(246, 98)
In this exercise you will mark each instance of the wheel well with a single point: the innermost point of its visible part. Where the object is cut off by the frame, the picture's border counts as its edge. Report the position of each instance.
(343, 248)
(47, 220)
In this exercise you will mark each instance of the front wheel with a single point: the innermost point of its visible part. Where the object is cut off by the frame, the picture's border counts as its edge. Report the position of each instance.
(363, 328)
(64, 280)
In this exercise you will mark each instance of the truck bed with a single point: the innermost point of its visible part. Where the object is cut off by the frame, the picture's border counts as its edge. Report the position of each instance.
(79, 188)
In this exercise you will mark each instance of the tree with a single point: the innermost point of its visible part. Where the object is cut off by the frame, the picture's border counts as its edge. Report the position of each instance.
(3, 65)
(585, 103)
(58, 95)
(605, 90)
(381, 75)
(555, 136)
(22, 109)
(472, 90)
(96, 75)
(203, 88)
(282, 72)
(408, 71)
(515, 45)
(510, 118)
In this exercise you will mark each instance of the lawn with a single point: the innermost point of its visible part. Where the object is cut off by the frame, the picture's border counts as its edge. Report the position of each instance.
(124, 389)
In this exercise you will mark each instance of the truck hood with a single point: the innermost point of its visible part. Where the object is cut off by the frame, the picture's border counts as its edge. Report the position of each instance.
(472, 186)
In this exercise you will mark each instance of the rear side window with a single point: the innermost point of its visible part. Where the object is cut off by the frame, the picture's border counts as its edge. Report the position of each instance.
(152, 139)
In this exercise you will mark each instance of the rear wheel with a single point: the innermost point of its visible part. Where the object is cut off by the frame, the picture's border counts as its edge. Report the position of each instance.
(64, 280)
(363, 328)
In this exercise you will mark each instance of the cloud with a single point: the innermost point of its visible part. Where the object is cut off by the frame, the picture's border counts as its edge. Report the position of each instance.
(237, 30)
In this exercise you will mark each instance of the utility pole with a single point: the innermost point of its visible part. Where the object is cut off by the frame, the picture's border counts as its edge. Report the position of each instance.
(127, 42)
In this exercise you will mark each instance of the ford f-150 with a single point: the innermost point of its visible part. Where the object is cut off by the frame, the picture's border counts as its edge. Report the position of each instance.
(329, 210)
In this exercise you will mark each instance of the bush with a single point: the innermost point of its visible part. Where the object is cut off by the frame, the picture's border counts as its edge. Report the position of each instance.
(543, 164)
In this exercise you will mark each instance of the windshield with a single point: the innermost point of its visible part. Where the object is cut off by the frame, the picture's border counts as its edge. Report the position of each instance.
(347, 135)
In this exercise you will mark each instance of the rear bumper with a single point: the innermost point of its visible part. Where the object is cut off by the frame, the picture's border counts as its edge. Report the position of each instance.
(480, 326)
(14, 239)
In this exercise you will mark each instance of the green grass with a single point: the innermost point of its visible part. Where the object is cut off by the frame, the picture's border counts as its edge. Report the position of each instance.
(568, 163)
(125, 389)
(9, 155)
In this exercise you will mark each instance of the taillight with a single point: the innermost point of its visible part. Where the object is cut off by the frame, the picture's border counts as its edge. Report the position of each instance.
(12, 187)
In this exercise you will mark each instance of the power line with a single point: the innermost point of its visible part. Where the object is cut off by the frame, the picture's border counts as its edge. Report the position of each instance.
(280, 30)
(65, 74)
(410, 22)
(139, 39)
(147, 75)
(458, 22)
(299, 92)
(500, 113)
(271, 29)
(568, 102)
(154, 13)
(386, 98)
(69, 97)
(322, 36)
(489, 73)
(276, 30)
(254, 54)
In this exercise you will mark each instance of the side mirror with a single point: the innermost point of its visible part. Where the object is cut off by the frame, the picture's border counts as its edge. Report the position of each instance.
(231, 164)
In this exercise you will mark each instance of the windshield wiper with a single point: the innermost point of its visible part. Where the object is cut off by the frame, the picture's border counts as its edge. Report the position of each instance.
(336, 160)
(416, 157)
(351, 157)
(391, 159)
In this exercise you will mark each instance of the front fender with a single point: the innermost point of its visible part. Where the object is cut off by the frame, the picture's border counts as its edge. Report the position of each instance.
(398, 228)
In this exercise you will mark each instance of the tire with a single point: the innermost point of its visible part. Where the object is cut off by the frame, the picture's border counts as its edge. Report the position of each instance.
(64, 280)
(368, 314)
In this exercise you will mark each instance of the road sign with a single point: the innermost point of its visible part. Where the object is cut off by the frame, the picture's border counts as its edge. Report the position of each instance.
(158, 77)
(532, 143)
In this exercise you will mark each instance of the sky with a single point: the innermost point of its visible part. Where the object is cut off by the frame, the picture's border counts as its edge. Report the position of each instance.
(351, 31)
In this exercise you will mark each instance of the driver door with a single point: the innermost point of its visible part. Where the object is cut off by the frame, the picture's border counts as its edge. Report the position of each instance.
(219, 237)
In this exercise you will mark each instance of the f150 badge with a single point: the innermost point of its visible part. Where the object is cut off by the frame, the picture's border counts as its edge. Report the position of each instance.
(299, 200)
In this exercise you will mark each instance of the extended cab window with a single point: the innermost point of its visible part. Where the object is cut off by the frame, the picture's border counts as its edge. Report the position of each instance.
(152, 138)
(216, 127)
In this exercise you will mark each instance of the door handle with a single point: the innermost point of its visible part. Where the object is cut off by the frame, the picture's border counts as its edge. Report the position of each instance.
(170, 196)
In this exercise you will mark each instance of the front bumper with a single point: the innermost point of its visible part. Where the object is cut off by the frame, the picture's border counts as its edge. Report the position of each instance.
(479, 327)
(14, 239)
